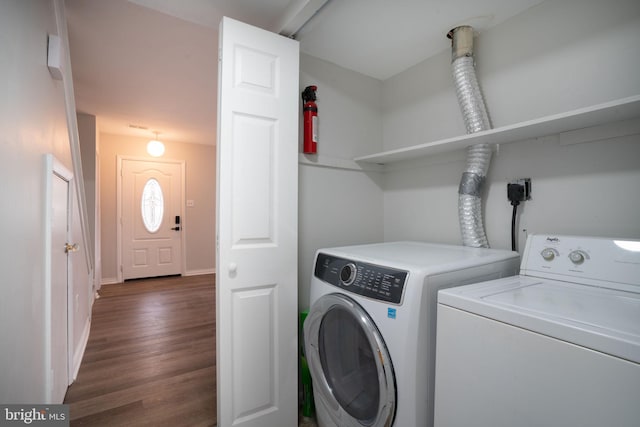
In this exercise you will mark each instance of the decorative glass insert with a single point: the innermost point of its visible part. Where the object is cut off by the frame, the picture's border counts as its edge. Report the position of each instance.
(152, 206)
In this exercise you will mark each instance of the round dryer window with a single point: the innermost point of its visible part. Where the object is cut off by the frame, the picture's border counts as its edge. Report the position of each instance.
(350, 363)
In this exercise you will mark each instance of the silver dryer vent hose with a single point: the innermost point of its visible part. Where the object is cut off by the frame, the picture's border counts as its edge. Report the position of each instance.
(476, 119)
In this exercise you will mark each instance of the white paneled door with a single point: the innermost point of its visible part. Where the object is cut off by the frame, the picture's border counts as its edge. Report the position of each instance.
(257, 203)
(151, 218)
(59, 362)
(56, 292)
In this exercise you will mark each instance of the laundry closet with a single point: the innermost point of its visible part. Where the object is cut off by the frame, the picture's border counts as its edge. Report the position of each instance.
(558, 58)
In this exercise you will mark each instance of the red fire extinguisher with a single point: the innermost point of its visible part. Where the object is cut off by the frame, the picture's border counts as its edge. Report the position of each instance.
(310, 114)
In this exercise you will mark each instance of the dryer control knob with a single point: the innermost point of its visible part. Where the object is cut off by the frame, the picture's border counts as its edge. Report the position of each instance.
(348, 274)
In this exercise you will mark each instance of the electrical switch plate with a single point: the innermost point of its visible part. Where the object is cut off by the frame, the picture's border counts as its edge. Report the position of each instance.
(190, 203)
(54, 56)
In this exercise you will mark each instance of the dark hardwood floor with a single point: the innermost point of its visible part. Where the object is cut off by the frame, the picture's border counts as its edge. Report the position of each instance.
(150, 359)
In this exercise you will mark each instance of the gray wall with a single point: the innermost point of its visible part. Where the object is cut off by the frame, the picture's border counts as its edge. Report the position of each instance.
(32, 124)
(339, 206)
(89, 147)
(556, 57)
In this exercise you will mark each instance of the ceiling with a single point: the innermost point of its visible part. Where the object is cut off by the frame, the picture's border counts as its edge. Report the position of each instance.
(145, 66)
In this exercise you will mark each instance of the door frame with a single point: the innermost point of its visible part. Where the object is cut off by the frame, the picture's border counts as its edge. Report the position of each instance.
(183, 255)
(54, 167)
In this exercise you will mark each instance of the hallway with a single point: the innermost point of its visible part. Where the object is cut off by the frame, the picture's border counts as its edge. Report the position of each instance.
(150, 359)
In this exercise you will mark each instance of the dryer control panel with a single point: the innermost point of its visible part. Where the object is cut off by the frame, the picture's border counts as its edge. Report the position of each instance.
(369, 280)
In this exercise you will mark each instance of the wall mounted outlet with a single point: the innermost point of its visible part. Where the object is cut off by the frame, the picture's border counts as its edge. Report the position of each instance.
(519, 190)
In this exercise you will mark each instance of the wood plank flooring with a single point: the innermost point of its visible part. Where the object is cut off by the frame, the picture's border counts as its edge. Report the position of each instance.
(150, 359)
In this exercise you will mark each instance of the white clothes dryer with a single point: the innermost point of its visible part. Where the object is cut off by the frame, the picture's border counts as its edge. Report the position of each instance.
(557, 345)
(370, 333)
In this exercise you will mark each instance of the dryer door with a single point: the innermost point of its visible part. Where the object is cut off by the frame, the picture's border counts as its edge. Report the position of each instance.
(350, 366)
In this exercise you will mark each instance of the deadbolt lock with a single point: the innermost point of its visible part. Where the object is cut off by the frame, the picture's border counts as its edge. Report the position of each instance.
(68, 247)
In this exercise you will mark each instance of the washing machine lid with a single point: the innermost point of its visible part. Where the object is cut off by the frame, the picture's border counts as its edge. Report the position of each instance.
(421, 257)
(606, 320)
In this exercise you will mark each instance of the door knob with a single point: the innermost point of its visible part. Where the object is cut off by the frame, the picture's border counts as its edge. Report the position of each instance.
(71, 247)
(233, 267)
(175, 228)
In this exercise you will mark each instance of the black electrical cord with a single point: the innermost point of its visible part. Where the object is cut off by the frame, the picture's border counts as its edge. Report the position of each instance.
(513, 225)
(517, 192)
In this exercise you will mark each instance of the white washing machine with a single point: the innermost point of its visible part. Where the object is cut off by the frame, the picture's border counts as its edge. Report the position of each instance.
(558, 345)
(370, 333)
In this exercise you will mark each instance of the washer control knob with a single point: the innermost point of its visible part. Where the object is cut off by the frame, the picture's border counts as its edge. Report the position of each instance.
(548, 254)
(348, 274)
(577, 257)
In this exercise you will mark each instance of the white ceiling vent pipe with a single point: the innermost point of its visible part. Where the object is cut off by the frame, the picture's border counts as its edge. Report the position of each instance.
(476, 119)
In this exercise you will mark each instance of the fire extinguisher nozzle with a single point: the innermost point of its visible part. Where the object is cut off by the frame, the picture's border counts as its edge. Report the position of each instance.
(309, 93)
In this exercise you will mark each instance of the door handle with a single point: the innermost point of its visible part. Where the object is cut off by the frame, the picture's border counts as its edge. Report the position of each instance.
(71, 247)
(175, 228)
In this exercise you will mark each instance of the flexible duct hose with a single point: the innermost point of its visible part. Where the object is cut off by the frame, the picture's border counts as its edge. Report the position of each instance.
(476, 119)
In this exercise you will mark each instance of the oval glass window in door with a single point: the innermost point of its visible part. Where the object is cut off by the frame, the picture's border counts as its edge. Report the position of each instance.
(152, 205)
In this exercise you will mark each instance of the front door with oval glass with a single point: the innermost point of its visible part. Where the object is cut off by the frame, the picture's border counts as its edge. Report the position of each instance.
(151, 201)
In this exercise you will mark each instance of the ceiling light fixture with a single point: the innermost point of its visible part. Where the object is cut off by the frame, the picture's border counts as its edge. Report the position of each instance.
(155, 148)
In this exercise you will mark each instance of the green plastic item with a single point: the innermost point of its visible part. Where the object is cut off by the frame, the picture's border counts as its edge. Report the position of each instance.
(308, 407)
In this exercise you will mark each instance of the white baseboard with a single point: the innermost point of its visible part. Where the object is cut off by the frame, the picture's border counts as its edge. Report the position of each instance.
(200, 272)
(109, 281)
(78, 354)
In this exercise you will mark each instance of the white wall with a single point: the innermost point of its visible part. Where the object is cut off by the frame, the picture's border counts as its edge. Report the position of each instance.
(339, 206)
(32, 124)
(558, 56)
